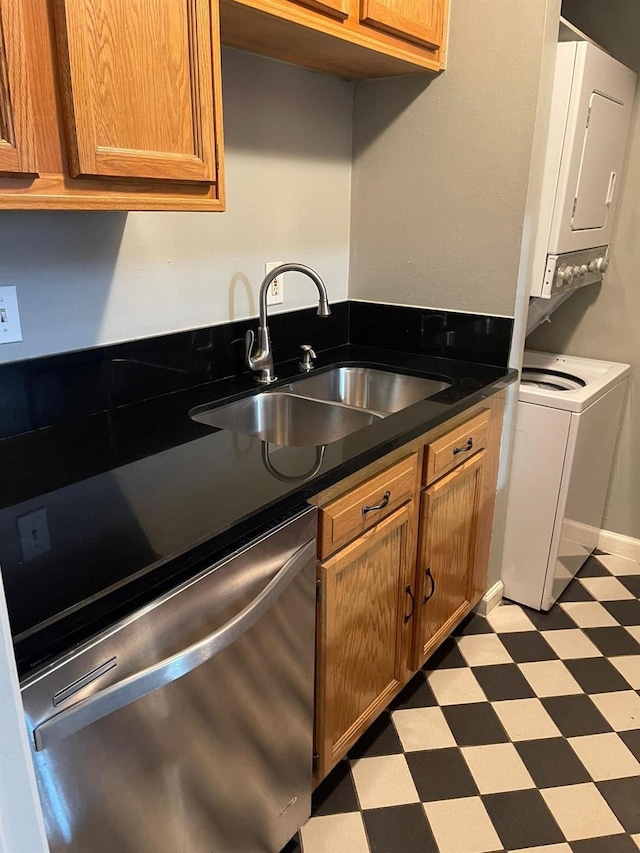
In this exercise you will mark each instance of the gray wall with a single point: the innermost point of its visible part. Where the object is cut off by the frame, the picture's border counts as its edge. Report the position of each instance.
(603, 322)
(441, 167)
(94, 278)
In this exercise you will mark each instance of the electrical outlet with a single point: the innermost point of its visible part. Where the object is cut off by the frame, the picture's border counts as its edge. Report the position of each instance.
(10, 329)
(33, 531)
(275, 293)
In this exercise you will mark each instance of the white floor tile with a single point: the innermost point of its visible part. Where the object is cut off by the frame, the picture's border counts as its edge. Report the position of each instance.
(550, 678)
(581, 811)
(606, 589)
(621, 709)
(548, 848)
(339, 833)
(383, 781)
(455, 686)
(634, 630)
(629, 667)
(483, 650)
(422, 728)
(525, 719)
(636, 838)
(619, 565)
(605, 756)
(497, 767)
(589, 614)
(462, 826)
(507, 618)
(570, 644)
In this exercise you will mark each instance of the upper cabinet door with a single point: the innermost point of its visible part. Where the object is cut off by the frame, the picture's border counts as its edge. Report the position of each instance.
(419, 21)
(17, 133)
(138, 92)
(335, 8)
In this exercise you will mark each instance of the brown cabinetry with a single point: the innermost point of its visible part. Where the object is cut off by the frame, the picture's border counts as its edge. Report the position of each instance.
(395, 588)
(357, 39)
(110, 104)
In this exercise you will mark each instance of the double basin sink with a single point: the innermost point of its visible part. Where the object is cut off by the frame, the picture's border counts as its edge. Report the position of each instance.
(322, 407)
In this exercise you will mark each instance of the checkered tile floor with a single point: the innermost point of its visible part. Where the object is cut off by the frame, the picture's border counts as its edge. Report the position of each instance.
(522, 733)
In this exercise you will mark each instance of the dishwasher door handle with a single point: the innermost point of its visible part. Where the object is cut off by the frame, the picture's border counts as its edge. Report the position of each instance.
(134, 687)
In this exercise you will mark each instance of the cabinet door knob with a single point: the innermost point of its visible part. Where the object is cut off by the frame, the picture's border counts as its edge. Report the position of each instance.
(468, 446)
(413, 603)
(383, 503)
(428, 574)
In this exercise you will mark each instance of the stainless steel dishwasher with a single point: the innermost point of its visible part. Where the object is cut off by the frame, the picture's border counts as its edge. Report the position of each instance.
(187, 727)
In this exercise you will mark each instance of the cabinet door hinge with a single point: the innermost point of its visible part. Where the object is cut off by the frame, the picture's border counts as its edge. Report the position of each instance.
(318, 590)
(575, 204)
(589, 117)
(315, 764)
(217, 157)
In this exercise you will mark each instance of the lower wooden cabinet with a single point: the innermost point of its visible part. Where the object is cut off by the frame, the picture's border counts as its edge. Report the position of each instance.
(394, 591)
(365, 606)
(449, 514)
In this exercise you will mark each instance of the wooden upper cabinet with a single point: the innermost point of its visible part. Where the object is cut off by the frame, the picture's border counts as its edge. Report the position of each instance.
(335, 8)
(17, 139)
(137, 87)
(419, 21)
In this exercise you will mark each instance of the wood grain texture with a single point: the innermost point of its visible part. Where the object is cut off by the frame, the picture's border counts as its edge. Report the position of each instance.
(445, 453)
(17, 133)
(342, 520)
(286, 30)
(420, 21)
(449, 519)
(362, 635)
(336, 8)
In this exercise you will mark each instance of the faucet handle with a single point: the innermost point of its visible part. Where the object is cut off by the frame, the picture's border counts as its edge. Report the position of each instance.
(248, 343)
(307, 354)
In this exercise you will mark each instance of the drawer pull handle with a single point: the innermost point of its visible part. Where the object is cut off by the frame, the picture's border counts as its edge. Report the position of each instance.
(468, 446)
(383, 503)
(427, 572)
(413, 603)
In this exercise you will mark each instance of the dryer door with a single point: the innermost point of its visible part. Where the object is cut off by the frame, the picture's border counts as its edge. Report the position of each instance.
(593, 152)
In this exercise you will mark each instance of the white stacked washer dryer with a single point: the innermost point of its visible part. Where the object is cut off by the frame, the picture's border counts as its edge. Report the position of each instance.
(568, 416)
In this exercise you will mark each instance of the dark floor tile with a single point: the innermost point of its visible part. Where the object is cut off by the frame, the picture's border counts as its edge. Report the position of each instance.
(441, 774)
(613, 641)
(473, 624)
(380, 738)
(632, 583)
(551, 762)
(527, 646)
(606, 844)
(554, 620)
(576, 715)
(416, 694)
(398, 829)
(293, 846)
(522, 819)
(596, 675)
(632, 740)
(576, 592)
(336, 794)
(625, 612)
(474, 724)
(503, 681)
(623, 795)
(446, 656)
(593, 568)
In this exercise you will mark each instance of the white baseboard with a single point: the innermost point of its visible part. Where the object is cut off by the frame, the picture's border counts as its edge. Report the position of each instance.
(491, 599)
(621, 546)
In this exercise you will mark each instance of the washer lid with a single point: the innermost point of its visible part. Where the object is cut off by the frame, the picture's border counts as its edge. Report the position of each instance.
(551, 380)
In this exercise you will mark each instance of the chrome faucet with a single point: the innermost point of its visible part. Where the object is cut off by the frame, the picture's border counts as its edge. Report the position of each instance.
(262, 359)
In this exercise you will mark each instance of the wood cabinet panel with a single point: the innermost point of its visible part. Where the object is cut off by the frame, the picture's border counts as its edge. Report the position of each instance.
(137, 88)
(363, 630)
(448, 532)
(456, 446)
(336, 8)
(17, 131)
(420, 21)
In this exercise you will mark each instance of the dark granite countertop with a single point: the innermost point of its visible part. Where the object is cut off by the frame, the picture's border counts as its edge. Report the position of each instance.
(124, 503)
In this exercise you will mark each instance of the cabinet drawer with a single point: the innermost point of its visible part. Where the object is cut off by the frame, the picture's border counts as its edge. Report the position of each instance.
(456, 446)
(354, 512)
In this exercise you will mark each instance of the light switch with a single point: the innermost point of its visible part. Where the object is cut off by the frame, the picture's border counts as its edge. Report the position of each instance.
(10, 328)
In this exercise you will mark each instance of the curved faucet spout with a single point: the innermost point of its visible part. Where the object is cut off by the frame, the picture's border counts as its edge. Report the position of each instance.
(262, 360)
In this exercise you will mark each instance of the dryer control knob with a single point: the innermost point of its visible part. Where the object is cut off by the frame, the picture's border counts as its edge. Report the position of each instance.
(603, 264)
(583, 270)
(565, 275)
(593, 266)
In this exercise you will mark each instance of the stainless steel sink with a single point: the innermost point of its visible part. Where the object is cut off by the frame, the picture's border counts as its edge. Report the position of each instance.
(287, 419)
(367, 388)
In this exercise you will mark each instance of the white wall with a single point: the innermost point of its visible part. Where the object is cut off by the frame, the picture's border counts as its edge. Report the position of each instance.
(86, 279)
(441, 166)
